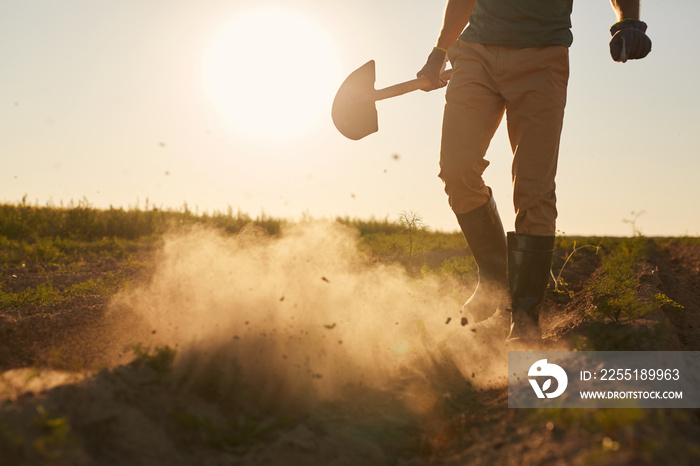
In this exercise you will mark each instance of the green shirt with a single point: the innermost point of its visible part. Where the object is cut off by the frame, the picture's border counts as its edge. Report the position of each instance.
(520, 23)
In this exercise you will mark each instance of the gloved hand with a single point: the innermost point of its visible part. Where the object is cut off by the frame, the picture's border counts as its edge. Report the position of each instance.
(629, 40)
(432, 69)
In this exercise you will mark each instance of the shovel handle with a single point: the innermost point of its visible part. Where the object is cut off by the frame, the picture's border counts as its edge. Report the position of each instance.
(407, 86)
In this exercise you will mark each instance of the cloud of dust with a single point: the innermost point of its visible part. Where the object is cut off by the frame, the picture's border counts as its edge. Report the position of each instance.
(295, 319)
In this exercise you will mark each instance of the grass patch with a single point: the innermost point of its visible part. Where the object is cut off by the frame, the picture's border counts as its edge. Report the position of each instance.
(82, 222)
(43, 294)
(47, 294)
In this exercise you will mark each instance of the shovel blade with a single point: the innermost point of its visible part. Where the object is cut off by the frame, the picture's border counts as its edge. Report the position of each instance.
(354, 112)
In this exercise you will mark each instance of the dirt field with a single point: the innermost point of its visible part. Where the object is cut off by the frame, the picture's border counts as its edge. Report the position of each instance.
(89, 380)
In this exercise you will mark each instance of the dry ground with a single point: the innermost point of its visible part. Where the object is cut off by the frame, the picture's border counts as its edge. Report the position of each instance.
(67, 398)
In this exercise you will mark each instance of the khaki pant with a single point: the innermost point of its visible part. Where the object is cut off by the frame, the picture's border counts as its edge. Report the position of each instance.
(529, 85)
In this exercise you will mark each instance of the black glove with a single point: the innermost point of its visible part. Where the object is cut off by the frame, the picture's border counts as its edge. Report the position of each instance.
(432, 69)
(629, 41)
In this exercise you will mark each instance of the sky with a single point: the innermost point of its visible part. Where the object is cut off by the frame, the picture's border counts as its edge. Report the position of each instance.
(226, 104)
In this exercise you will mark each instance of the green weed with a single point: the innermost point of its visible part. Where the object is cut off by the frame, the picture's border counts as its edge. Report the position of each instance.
(47, 441)
(615, 290)
(43, 294)
(560, 286)
(414, 229)
(55, 438)
(160, 359)
(46, 294)
(239, 434)
(104, 286)
(667, 304)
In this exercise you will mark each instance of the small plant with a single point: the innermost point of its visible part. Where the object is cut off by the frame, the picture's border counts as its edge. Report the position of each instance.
(558, 280)
(633, 222)
(238, 434)
(667, 304)
(56, 436)
(160, 359)
(413, 226)
(615, 290)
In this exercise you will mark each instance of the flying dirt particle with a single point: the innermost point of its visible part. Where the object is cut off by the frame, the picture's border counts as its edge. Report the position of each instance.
(449, 319)
(282, 299)
(474, 330)
(550, 425)
(464, 321)
(330, 327)
(247, 322)
(395, 156)
(352, 195)
(325, 279)
(340, 342)
(167, 173)
(153, 332)
(161, 144)
(473, 375)
(236, 337)
(385, 170)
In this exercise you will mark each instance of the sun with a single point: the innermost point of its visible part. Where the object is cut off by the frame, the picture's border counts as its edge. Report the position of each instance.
(270, 73)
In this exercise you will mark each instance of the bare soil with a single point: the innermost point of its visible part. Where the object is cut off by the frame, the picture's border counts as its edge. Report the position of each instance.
(64, 400)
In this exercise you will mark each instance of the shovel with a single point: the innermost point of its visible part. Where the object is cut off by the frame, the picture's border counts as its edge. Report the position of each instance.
(354, 112)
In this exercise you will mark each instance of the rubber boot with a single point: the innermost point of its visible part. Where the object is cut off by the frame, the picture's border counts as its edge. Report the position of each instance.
(529, 263)
(483, 230)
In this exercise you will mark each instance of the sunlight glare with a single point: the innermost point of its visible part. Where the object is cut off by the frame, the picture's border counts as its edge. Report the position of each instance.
(271, 73)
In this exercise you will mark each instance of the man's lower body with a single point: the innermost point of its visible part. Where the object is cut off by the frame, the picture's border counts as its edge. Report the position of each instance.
(529, 86)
